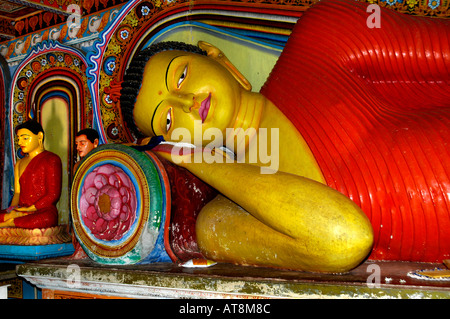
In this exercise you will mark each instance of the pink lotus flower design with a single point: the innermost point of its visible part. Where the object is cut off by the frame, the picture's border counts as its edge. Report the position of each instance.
(108, 202)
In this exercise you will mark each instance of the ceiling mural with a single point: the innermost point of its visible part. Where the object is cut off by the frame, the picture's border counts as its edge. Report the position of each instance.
(21, 17)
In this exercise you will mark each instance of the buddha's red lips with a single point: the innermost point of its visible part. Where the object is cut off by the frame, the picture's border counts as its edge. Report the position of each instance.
(204, 108)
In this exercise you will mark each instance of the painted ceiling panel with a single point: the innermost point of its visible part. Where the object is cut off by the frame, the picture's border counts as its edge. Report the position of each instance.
(20, 17)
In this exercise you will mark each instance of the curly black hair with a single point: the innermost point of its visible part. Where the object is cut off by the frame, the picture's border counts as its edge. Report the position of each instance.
(33, 126)
(90, 133)
(134, 74)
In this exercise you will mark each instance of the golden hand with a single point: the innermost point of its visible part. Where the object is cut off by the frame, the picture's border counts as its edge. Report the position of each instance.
(14, 214)
(28, 209)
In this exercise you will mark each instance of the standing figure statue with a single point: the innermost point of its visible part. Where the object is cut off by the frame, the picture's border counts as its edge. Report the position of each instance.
(37, 182)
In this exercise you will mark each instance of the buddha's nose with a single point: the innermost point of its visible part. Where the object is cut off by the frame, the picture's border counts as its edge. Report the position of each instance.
(186, 101)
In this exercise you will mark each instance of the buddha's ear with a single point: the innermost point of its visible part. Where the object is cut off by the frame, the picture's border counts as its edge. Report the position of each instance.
(220, 57)
(40, 136)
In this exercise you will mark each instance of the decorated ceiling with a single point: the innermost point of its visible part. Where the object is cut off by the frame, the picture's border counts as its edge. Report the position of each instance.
(20, 17)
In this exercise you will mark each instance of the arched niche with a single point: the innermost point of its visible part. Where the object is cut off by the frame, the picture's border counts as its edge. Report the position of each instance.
(49, 86)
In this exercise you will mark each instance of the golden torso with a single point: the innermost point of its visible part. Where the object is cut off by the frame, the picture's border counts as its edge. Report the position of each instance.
(284, 143)
(32, 145)
(22, 164)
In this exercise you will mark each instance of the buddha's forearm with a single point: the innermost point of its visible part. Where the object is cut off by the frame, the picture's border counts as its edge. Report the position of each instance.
(290, 204)
(320, 220)
(31, 208)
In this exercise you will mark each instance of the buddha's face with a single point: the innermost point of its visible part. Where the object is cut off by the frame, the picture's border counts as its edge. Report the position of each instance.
(28, 141)
(181, 89)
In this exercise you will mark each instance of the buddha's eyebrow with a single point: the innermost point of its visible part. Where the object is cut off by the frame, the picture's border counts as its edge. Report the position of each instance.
(154, 112)
(168, 67)
(167, 87)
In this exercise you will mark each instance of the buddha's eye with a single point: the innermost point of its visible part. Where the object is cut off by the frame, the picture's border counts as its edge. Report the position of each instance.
(182, 77)
(168, 120)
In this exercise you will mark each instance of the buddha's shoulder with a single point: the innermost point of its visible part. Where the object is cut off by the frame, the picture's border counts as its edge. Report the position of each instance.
(50, 156)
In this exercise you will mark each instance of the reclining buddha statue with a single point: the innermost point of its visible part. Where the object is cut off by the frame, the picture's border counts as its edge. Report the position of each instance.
(363, 123)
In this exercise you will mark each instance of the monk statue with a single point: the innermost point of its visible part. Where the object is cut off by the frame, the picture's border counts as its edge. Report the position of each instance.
(37, 182)
(359, 117)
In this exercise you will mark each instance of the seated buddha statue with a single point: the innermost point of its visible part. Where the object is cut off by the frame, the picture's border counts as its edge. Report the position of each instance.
(37, 182)
(362, 116)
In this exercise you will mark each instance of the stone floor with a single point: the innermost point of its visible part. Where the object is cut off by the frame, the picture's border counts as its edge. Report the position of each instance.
(372, 279)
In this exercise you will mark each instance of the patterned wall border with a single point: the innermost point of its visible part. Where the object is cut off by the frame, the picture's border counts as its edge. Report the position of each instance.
(89, 28)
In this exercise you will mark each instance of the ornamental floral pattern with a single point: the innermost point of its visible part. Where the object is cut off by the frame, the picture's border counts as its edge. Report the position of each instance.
(432, 8)
(108, 202)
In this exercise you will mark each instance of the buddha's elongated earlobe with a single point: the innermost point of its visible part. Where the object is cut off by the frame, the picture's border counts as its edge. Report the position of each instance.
(220, 57)
(41, 140)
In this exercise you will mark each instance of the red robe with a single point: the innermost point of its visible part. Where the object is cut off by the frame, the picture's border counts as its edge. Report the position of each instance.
(40, 185)
(373, 104)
